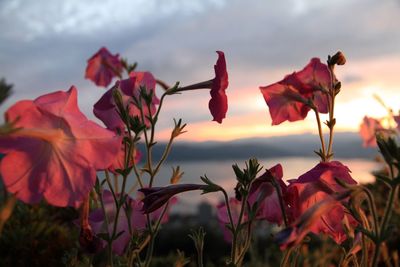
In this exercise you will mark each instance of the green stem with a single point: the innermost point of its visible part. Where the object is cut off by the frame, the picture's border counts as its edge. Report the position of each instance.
(281, 203)
(109, 243)
(331, 111)
(286, 257)
(372, 207)
(321, 135)
(164, 155)
(386, 217)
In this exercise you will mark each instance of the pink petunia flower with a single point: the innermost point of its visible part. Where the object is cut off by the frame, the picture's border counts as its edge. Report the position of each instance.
(264, 193)
(223, 217)
(136, 220)
(218, 104)
(368, 129)
(105, 109)
(317, 185)
(103, 67)
(289, 99)
(261, 192)
(56, 153)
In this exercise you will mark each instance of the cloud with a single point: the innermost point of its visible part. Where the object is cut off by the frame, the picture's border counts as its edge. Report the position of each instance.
(45, 44)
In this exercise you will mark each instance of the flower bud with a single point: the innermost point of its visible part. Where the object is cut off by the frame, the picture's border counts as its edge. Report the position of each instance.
(337, 59)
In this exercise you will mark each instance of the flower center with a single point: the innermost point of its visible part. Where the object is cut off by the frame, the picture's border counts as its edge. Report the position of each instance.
(49, 135)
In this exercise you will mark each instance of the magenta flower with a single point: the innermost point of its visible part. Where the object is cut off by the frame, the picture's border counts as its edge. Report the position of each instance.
(289, 99)
(368, 129)
(317, 185)
(137, 220)
(56, 153)
(264, 193)
(102, 67)
(223, 217)
(156, 197)
(105, 109)
(294, 234)
(218, 104)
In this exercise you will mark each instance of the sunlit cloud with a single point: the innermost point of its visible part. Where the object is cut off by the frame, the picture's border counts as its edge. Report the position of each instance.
(45, 45)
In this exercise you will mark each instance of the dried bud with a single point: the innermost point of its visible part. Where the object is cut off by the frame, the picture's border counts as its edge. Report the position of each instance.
(337, 59)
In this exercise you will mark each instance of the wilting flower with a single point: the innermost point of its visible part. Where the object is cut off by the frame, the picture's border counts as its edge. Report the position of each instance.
(56, 153)
(156, 197)
(218, 104)
(264, 193)
(223, 217)
(106, 110)
(292, 98)
(317, 185)
(132, 210)
(102, 67)
(368, 129)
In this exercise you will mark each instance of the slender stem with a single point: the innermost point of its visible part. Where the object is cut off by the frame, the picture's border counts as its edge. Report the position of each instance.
(201, 85)
(372, 207)
(146, 139)
(320, 133)
(281, 203)
(331, 111)
(364, 250)
(228, 208)
(164, 155)
(109, 243)
(286, 257)
(247, 243)
(110, 185)
(116, 185)
(386, 217)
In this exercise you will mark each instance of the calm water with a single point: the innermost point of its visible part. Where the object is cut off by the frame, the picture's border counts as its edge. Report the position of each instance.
(221, 173)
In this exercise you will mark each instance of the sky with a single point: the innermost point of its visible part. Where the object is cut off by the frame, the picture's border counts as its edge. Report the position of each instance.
(44, 46)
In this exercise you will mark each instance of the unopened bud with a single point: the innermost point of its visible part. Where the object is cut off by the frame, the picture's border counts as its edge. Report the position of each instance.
(337, 59)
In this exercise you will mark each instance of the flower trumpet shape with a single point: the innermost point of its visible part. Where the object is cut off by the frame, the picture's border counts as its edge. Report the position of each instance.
(102, 67)
(156, 197)
(218, 104)
(292, 98)
(316, 185)
(368, 129)
(56, 152)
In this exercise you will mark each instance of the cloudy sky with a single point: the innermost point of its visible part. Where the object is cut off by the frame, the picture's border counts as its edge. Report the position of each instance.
(44, 46)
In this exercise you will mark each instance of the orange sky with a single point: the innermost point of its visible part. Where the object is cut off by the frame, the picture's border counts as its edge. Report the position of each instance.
(375, 76)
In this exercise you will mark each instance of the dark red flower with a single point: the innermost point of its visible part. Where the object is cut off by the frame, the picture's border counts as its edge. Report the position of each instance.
(156, 197)
(218, 104)
(292, 98)
(264, 193)
(102, 67)
(317, 185)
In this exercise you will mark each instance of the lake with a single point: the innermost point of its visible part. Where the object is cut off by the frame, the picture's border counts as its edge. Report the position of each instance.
(221, 173)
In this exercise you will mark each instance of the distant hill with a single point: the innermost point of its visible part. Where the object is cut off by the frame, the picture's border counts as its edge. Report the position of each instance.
(346, 145)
